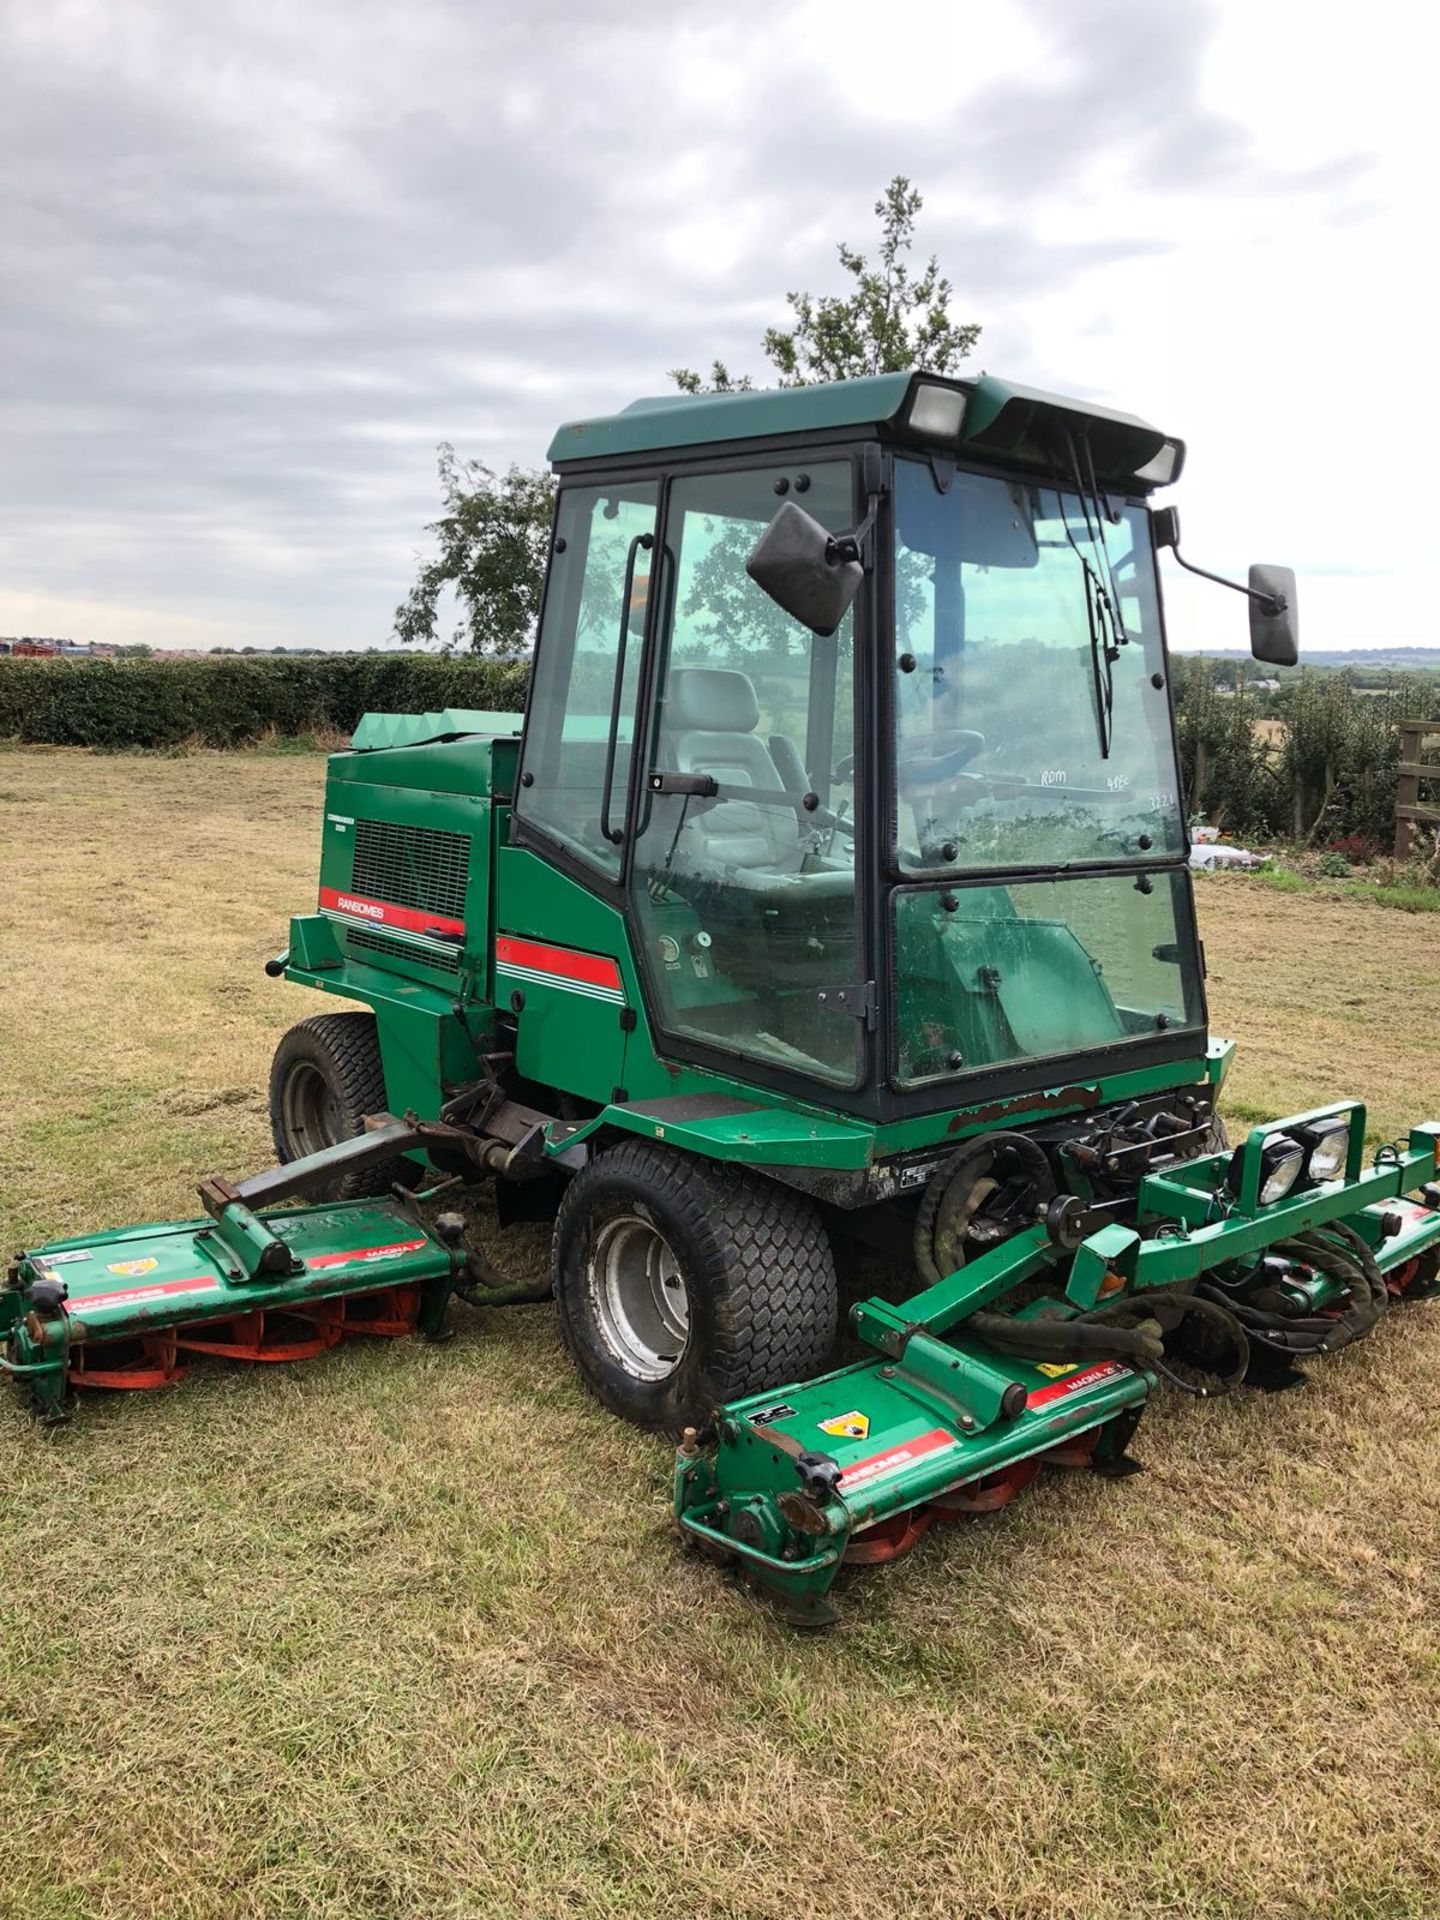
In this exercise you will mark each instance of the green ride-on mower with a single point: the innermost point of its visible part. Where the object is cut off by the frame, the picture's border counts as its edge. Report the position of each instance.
(832, 901)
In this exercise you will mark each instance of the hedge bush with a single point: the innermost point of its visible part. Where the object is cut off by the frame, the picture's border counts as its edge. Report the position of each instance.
(1330, 772)
(229, 701)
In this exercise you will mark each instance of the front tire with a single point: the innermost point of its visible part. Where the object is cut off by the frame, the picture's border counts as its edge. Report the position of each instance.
(325, 1078)
(681, 1284)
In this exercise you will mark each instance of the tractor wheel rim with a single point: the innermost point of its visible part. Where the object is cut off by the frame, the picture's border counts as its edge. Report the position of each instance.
(310, 1110)
(640, 1297)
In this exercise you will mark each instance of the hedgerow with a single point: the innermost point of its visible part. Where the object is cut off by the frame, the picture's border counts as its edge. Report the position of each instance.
(228, 702)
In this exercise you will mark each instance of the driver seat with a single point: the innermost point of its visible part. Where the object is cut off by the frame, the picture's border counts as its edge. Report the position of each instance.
(708, 724)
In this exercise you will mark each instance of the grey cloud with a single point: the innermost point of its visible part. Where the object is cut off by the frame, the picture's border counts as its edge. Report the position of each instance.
(259, 264)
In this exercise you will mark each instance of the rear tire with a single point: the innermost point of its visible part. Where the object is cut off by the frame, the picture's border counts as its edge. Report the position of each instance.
(325, 1078)
(682, 1284)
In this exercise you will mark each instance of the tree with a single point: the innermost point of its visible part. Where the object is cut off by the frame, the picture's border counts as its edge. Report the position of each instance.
(887, 323)
(492, 537)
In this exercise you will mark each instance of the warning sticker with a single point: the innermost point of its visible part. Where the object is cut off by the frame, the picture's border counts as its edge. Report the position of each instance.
(847, 1426)
(1076, 1383)
(1053, 1370)
(132, 1267)
(879, 1466)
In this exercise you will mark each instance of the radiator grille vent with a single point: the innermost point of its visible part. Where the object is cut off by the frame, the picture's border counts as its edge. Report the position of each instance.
(402, 950)
(418, 867)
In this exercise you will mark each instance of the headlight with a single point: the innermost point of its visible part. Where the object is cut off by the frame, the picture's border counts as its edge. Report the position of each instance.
(1281, 1162)
(1327, 1143)
(1281, 1159)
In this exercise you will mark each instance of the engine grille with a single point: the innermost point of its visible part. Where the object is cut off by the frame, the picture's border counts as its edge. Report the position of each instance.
(401, 950)
(418, 867)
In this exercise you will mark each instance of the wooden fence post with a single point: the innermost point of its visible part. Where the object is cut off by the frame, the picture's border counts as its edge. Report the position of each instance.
(1412, 773)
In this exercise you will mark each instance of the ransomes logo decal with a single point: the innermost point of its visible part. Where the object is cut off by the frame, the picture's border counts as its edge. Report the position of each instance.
(440, 931)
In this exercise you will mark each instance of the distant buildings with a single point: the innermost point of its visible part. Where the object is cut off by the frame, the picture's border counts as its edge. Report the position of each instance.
(1251, 686)
(31, 647)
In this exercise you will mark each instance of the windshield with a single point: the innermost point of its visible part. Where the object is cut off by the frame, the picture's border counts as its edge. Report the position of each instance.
(1037, 969)
(1032, 720)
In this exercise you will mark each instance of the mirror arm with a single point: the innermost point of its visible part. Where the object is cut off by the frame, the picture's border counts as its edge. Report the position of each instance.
(843, 547)
(1273, 603)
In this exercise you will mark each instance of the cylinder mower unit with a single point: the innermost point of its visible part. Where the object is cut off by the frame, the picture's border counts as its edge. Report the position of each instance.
(1042, 1349)
(125, 1309)
(834, 899)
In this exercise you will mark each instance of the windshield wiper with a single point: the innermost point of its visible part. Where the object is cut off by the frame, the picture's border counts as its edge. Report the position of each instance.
(1107, 629)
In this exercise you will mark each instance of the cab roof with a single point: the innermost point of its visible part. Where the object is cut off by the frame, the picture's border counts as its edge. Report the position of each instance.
(1002, 422)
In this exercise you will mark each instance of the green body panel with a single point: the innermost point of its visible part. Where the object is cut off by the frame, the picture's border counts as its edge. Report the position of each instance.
(413, 729)
(475, 766)
(692, 420)
(678, 420)
(760, 1135)
(447, 787)
(990, 396)
(565, 1037)
(1077, 1095)
(427, 1050)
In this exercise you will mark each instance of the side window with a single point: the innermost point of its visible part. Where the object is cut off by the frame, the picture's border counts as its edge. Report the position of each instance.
(587, 669)
(745, 862)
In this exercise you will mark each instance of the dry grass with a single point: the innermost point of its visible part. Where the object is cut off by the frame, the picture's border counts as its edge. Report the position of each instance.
(400, 1632)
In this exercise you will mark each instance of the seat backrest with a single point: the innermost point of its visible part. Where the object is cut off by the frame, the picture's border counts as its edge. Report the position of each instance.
(708, 726)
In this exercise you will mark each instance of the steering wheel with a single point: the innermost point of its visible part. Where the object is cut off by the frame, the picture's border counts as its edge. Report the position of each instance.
(952, 750)
(961, 746)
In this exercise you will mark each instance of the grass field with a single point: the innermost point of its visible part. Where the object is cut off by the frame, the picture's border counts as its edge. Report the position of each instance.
(401, 1633)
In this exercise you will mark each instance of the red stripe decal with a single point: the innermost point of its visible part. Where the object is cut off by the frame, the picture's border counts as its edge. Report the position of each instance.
(382, 913)
(137, 1296)
(319, 1260)
(878, 1465)
(590, 969)
(1075, 1383)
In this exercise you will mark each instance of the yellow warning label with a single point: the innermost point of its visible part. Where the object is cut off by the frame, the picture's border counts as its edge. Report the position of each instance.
(131, 1267)
(848, 1426)
(1053, 1370)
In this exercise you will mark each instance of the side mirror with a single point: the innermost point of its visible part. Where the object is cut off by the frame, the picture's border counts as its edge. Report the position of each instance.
(1274, 620)
(798, 564)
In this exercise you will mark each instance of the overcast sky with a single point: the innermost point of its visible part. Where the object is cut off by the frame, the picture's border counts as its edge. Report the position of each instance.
(258, 259)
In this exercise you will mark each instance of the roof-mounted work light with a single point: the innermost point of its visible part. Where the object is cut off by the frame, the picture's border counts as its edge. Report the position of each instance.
(935, 411)
(1163, 467)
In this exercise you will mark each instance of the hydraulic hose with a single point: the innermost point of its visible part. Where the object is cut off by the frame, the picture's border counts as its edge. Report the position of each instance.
(1132, 1328)
(939, 1249)
(1339, 1252)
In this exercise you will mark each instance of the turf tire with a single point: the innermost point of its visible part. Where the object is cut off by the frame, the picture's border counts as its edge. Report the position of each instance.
(757, 1265)
(343, 1050)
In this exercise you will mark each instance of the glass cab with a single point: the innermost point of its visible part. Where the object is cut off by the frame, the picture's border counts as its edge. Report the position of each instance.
(986, 742)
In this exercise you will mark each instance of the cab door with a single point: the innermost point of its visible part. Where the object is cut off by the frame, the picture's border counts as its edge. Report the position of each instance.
(561, 958)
